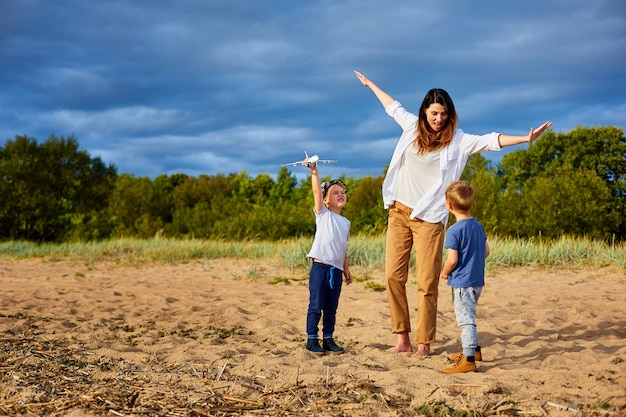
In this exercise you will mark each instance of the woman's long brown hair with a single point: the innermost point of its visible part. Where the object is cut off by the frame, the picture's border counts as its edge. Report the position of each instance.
(423, 131)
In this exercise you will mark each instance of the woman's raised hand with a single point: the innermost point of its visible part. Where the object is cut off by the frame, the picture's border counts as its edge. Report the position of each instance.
(364, 80)
(534, 134)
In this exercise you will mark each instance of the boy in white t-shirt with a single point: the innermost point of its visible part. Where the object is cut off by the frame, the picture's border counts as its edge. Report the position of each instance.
(330, 262)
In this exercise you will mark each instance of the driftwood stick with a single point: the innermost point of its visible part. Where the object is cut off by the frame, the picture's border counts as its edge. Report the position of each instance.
(221, 371)
(327, 375)
(499, 403)
(560, 407)
(202, 413)
(241, 400)
(433, 391)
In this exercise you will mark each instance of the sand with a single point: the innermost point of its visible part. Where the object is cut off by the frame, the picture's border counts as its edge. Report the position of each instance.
(227, 336)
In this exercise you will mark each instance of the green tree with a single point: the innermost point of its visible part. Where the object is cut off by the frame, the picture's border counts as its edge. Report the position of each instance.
(568, 202)
(52, 191)
(162, 204)
(283, 189)
(132, 207)
(601, 150)
(481, 175)
(203, 189)
(195, 201)
(365, 208)
(255, 190)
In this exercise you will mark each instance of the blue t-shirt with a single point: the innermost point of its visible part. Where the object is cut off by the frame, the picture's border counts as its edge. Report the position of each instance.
(469, 239)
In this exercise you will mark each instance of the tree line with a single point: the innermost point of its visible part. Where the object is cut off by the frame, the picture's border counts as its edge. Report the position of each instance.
(570, 184)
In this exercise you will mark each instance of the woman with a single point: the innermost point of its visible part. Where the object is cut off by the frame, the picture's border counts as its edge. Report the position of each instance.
(430, 154)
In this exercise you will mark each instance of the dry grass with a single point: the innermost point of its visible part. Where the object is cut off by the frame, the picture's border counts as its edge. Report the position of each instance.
(59, 378)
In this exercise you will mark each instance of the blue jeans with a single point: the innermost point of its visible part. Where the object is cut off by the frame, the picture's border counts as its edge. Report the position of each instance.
(323, 298)
(465, 301)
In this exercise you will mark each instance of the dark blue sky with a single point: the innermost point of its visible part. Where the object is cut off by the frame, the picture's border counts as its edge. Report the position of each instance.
(221, 86)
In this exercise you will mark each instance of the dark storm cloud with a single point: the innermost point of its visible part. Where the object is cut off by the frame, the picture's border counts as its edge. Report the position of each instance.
(158, 87)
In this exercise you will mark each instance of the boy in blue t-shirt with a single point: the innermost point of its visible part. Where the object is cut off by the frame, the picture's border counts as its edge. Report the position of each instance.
(466, 242)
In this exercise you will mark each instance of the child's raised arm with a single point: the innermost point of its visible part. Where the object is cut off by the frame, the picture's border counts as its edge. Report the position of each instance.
(316, 187)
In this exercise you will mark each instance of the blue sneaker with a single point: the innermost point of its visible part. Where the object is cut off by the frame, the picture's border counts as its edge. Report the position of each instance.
(313, 345)
(330, 345)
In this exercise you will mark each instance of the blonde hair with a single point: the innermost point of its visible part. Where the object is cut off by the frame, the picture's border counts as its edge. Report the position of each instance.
(460, 194)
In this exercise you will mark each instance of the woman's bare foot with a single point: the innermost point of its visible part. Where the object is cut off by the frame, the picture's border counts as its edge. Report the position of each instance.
(401, 349)
(423, 350)
(403, 343)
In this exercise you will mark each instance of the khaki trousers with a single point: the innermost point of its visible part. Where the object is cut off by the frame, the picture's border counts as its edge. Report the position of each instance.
(404, 234)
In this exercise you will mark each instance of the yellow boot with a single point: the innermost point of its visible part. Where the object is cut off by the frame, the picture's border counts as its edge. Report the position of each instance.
(463, 365)
(455, 357)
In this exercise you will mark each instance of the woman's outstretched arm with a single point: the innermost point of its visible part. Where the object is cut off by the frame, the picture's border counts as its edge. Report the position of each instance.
(507, 140)
(384, 98)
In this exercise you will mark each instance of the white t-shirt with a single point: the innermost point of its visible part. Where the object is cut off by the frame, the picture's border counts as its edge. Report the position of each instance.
(418, 174)
(332, 232)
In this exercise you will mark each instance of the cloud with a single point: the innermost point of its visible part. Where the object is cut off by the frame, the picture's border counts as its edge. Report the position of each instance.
(224, 86)
(137, 120)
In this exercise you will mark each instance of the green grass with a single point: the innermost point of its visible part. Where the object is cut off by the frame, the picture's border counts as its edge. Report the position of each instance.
(565, 252)
(363, 251)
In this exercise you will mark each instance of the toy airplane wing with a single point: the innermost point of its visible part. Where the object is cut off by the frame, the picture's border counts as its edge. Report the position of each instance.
(310, 161)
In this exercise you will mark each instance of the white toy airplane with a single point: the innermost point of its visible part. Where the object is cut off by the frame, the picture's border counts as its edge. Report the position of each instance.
(310, 161)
